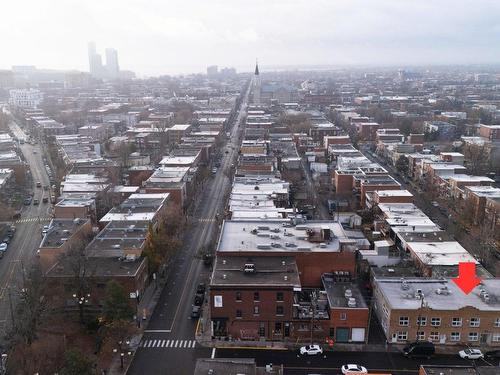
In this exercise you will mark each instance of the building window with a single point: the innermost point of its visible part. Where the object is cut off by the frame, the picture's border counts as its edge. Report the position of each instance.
(422, 321)
(455, 336)
(473, 336)
(277, 328)
(303, 327)
(420, 335)
(402, 336)
(238, 296)
(238, 314)
(332, 332)
(434, 336)
(262, 329)
(256, 310)
(435, 322)
(496, 337)
(474, 322)
(497, 322)
(256, 297)
(343, 316)
(317, 327)
(279, 310)
(404, 321)
(456, 322)
(279, 297)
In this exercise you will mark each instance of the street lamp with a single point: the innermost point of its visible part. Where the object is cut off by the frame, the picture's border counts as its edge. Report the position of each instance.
(81, 300)
(122, 351)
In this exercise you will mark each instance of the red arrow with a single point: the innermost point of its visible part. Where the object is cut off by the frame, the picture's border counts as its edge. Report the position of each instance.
(467, 279)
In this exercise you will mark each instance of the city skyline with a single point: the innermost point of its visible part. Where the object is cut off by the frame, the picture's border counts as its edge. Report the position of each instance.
(199, 34)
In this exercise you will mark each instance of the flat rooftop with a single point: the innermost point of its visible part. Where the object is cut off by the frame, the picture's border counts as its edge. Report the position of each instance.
(280, 235)
(336, 292)
(61, 230)
(393, 193)
(269, 271)
(468, 178)
(400, 296)
(118, 237)
(444, 253)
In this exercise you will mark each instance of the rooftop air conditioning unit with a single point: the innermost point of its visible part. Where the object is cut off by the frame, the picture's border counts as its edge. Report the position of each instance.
(249, 268)
(351, 302)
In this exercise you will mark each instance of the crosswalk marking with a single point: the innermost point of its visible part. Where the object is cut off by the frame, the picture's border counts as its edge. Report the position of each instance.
(32, 220)
(206, 220)
(174, 344)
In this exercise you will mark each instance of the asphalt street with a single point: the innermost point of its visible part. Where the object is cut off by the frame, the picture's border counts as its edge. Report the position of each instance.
(23, 246)
(168, 345)
(330, 362)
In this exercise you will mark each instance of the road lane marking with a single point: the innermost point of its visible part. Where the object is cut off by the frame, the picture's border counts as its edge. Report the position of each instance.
(213, 353)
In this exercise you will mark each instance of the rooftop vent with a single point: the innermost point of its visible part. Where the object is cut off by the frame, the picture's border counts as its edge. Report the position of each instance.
(443, 291)
(348, 293)
(351, 302)
(404, 285)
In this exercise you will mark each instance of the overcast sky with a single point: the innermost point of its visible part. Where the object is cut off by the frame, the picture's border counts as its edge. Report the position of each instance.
(182, 36)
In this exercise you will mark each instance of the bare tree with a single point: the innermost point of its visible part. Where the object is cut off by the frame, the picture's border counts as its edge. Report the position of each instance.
(476, 157)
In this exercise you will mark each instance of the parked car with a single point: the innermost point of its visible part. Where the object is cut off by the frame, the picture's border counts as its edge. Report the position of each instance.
(3, 246)
(471, 354)
(27, 201)
(45, 199)
(198, 299)
(214, 170)
(201, 288)
(38, 184)
(492, 354)
(195, 312)
(36, 202)
(419, 349)
(353, 369)
(311, 350)
(6, 240)
(45, 187)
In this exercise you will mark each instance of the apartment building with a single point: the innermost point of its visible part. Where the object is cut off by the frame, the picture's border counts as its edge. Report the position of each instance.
(438, 311)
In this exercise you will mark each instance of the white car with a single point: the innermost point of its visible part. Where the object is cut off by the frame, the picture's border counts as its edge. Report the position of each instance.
(471, 354)
(311, 350)
(353, 369)
(3, 246)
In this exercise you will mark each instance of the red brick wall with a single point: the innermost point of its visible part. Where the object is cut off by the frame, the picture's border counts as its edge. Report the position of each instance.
(343, 183)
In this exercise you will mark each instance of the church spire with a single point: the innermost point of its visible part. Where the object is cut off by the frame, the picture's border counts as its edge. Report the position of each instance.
(256, 68)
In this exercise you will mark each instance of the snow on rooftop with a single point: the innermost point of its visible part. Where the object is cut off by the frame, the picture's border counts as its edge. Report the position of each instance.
(404, 298)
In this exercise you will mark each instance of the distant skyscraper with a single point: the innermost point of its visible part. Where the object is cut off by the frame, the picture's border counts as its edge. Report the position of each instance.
(212, 70)
(112, 66)
(256, 85)
(95, 61)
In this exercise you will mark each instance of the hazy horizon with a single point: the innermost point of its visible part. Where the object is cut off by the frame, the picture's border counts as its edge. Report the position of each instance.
(177, 37)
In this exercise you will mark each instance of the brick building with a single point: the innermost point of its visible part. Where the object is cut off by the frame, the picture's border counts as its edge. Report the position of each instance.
(438, 311)
(255, 298)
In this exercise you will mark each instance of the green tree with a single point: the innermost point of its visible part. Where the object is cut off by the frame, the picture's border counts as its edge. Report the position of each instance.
(116, 303)
(76, 363)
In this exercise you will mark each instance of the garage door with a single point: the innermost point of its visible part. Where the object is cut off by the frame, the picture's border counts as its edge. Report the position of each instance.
(342, 335)
(358, 335)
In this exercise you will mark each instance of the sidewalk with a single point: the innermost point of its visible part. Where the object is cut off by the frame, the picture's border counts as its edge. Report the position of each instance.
(147, 304)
